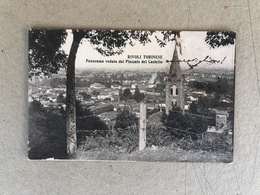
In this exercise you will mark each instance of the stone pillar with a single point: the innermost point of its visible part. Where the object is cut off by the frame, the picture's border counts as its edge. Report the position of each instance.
(142, 127)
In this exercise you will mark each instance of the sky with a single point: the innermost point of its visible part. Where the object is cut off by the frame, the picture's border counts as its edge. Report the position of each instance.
(193, 46)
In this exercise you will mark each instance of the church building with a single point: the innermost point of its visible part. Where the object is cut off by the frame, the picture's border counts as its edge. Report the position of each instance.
(175, 85)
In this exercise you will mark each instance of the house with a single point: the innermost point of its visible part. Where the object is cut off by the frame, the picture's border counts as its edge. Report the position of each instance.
(97, 86)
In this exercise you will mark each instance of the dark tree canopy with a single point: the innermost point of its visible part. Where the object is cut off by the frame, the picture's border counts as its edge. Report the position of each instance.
(45, 54)
(221, 38)
(111, 42)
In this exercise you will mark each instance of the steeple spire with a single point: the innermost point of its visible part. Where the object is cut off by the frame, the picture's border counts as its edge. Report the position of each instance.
(175, 69)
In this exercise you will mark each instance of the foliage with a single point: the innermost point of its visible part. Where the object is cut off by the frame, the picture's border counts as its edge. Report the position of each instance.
(45, 54)
(193, 108)
(126, 141)
(206, 102)
(91, 123)
(137, 95)
(188, 132)
(47, 132)
(219, 143)
(126, 94)
(86, 120)
(47, 136)
(187, 125)
(152, 111)
(113, 41)
(160, 88)
(158, 135)
(47, 58)
(81, 83)
(222, 38)
(82, 111)
(167, 36)
(56, 82)
(221, 86)
(125, 119)
(120, 141)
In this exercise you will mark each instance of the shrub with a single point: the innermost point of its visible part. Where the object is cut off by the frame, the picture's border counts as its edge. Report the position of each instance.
(184, 126)
(219, 143)
(120, 141)
(158, 135)
(125, 119)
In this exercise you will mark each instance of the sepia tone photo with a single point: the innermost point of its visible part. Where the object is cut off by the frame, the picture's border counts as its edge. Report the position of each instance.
(131, 95)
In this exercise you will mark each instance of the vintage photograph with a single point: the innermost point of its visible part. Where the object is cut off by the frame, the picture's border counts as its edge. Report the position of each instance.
(131, 95)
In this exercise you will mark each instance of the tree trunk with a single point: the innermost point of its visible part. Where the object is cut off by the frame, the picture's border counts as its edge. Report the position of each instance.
(71, 96)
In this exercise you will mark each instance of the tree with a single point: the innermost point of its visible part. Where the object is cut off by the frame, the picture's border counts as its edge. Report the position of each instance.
(221, 86)
(221, 38)
(126, 94)
(125, 119)
(193, 108)
(137, 95)
(203, 103)
(175, 122)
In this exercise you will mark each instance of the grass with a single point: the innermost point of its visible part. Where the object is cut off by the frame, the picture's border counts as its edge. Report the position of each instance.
(161, 146)
(152, 154)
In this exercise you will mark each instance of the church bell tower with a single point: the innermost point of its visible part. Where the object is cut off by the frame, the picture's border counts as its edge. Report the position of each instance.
(175, 85)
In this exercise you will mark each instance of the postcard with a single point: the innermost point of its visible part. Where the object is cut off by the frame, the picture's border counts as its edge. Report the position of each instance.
(131, 95)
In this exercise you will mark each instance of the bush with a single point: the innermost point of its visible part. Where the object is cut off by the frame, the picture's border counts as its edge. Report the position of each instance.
(219, 143)
(158, 135)
(184, 126)
(120, 141)
(125, 119)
